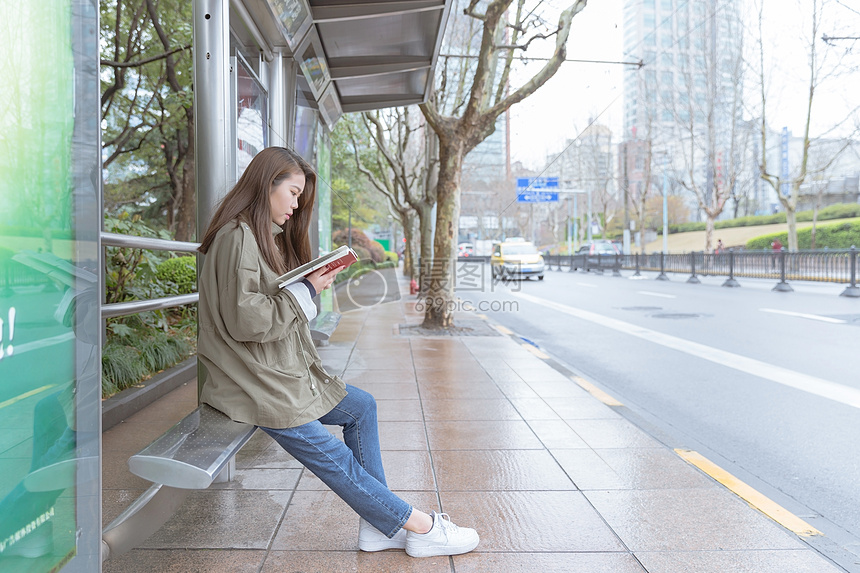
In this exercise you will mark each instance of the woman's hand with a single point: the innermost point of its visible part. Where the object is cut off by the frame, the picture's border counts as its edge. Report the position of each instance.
(322, 278)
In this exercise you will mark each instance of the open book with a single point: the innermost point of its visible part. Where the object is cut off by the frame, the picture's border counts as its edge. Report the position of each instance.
(340, 257)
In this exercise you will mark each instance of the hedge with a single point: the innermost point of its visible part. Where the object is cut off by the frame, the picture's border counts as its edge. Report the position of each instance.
(842, 211)
(832, 236)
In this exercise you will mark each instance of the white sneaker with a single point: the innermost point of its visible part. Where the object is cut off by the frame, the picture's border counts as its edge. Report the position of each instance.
(444, 538)
(371, 539)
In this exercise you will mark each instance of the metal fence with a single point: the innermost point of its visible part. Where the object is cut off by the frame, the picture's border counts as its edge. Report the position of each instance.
(836, 266)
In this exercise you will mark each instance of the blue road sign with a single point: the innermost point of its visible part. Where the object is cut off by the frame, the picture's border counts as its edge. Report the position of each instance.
(536, 196)
(529, 190)
(524, 183)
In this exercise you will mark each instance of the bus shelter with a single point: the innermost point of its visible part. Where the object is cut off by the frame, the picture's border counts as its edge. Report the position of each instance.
(266, 72)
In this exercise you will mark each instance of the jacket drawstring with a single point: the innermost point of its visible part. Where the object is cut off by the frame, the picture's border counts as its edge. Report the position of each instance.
(307, 366)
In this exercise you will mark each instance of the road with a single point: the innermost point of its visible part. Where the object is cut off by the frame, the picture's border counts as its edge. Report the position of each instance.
(765, 384)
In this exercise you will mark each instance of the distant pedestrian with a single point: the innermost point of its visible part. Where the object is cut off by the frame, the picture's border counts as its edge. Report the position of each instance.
(719, 248)
(776, 245)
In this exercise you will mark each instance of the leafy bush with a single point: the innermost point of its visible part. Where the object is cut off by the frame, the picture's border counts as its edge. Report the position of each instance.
(178, 275)
(362, 253)
(833, 236)
(375, 250)
(392, 256)
(141, 344)
(132, 356)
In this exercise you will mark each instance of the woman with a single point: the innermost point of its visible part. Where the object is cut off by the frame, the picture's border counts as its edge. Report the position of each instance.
(262, 365)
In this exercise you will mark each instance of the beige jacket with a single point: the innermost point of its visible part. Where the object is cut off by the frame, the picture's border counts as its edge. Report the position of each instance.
(254, 340)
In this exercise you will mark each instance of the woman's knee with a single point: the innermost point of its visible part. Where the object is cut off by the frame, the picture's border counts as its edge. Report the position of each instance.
(363, 402)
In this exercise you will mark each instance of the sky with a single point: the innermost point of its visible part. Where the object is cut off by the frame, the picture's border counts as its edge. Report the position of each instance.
(578, 92)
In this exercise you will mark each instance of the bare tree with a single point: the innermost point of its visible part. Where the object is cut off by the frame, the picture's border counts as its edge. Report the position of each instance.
(708, 114)
(398, 168)
(470, 117)
(819, 69)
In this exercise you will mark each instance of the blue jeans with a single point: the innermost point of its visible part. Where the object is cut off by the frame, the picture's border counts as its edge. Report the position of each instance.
(352, 468)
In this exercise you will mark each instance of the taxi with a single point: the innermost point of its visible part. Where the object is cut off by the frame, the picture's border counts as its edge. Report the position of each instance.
(516, 258)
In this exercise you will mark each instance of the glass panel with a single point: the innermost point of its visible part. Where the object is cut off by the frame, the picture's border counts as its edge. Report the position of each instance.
(49, 284)
(251, 132)
(324, 198)
(306, 123)
(294, 18)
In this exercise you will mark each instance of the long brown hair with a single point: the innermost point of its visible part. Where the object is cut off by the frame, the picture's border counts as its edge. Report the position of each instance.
(249, 201)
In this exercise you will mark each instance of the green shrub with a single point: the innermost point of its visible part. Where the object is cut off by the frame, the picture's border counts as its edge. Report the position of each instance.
(180, 273)
(842, 211)
(374, 250)
(122, 368)
(832, 236)
(392, 256)
(133, 355)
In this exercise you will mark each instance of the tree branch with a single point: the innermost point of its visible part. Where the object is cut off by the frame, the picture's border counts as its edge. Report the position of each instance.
(139, 63)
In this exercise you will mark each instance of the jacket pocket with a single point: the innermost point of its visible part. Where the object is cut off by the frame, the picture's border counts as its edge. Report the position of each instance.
(280, 355)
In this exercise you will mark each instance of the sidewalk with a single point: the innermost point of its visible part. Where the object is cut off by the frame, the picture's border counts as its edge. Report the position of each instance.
(477, 426)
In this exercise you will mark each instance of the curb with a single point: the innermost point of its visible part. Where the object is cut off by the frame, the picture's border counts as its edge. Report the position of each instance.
(131, 400)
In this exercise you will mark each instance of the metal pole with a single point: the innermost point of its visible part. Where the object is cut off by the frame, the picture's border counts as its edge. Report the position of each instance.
(665, 207)
(782, 286)
(213, 120)
(662, 276)
(569, 227)
(575, 225)
(693, 278)
(637, 273)
(588, 218)
(212, 106)
(731, 282)
(852, 290)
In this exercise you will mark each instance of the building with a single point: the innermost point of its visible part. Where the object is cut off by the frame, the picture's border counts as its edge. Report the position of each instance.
(685, 98)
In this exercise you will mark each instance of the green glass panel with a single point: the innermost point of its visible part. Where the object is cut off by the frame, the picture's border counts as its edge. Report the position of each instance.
(37, 345)
(324, 201)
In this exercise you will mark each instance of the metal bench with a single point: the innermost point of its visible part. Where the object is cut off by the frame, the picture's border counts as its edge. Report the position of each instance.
(323, 326)
(191, 455)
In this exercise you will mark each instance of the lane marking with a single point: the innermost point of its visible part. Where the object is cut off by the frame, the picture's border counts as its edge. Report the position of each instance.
(803, 315)
(660, 294)
(596, 392)
(750, 495)
(503, 330)
(534, 350)
(803, 382)
(25, 395)
(589, 285)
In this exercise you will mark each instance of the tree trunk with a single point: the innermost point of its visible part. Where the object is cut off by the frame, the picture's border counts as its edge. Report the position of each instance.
(439, 307)
(408, 234)
(186, 216)
(791, 219)
(709, 231)
(425, 251)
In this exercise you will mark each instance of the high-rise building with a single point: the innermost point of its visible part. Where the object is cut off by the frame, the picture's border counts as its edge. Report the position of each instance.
(685, 100)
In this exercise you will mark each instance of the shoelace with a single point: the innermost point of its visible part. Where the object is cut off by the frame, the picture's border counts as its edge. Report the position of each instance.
(446, 524)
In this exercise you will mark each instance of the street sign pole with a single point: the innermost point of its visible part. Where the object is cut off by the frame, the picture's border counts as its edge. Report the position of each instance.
(571, 240)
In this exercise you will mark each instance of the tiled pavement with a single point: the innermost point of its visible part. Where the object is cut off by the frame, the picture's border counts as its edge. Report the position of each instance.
(476, 426)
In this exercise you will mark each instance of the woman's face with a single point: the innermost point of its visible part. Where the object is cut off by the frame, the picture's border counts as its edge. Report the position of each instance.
(284, 197)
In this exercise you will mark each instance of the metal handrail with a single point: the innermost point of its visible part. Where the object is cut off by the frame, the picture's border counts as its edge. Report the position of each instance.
(134, 307)
(117, 240)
